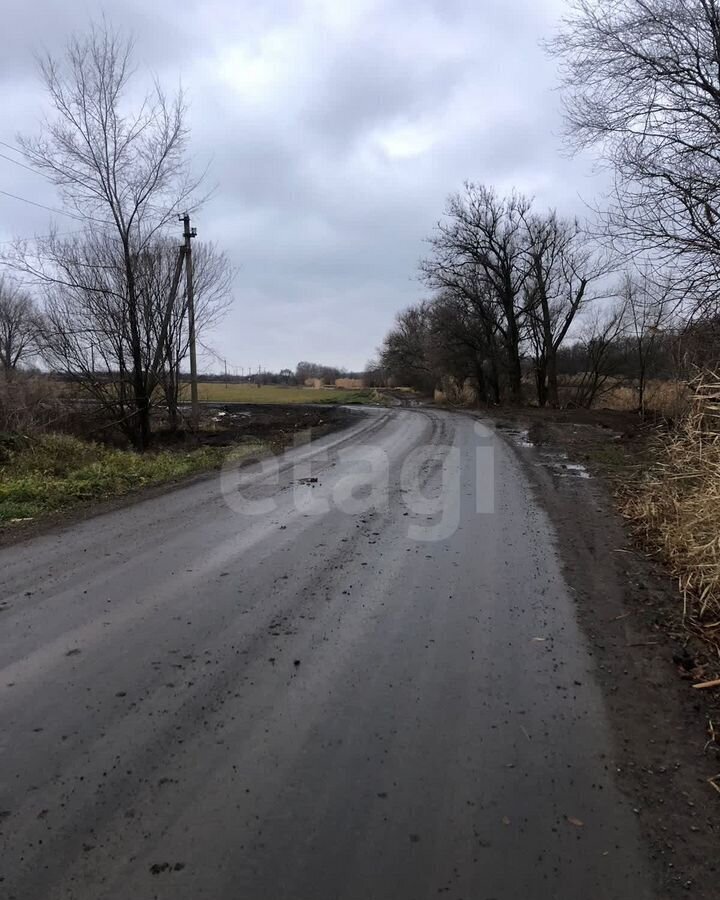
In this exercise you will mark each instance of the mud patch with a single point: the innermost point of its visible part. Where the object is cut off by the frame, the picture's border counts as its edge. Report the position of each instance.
(628, 607)
(546, 454)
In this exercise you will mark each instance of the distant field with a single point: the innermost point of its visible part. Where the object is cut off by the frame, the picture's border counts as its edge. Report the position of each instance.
(215, 392)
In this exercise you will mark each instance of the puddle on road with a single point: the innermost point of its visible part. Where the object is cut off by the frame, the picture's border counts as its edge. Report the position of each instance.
(556, 461)
(521, 438)
(567, 469)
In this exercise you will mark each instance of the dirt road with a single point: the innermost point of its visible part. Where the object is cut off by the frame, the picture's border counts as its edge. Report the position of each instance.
(359, 676)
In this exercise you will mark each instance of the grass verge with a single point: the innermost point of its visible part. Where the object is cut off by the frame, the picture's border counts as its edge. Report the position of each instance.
(55, 472)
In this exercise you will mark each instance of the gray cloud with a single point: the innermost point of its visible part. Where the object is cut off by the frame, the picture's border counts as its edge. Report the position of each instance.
(333, 132)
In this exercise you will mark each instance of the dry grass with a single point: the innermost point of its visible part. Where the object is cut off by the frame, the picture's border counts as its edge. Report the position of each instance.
(675, 507)
(666, 398)
(30, 404)
(452, 392)
(669, 399)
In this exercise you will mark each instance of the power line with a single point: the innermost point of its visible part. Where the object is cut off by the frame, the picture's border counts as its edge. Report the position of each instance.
(42, 206)
(40, 237)
(10, 147)
(22, 165)
(60, 212)
(216, 356)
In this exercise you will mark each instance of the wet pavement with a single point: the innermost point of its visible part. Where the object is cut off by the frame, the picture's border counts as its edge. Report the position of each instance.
(357, 676)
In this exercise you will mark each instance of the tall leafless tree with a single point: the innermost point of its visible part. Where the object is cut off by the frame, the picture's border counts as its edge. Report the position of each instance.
(642, 84)
(468, 316)
(563, 264)
(647, 309)
(212, 280)
(464, 343)
(406, 351)
(598, 340)
(122, 167)
(85, 331)
(18, 325)
(479, 246)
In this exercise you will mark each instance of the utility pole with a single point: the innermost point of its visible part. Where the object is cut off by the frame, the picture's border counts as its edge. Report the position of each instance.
(161, 348)
(189, 233)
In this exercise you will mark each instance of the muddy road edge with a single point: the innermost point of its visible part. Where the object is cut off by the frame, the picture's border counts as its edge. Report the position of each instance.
(663, 759)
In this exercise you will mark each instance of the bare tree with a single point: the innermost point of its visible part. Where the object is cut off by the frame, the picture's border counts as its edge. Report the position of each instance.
(406, 351)
(85, 331)
(480, 247)
(212, 280)
(472, 317)
(124, 170)
(18, 325)
(464, 344)
(647, 309)
(563, 263)
(599, 343)
(696, 346)
(642, 83)
(374, 375)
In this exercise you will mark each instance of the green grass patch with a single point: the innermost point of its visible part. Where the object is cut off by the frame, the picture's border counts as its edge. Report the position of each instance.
(57, 472)
(217, 392)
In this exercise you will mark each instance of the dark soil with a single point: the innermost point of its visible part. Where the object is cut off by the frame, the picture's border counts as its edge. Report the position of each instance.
(631, 612)
(276, 425)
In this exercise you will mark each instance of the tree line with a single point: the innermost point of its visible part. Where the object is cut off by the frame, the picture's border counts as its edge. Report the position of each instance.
(519, 297)
(507, 283)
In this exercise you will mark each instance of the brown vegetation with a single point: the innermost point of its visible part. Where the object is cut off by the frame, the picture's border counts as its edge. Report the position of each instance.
(31, 404)
(674, 505)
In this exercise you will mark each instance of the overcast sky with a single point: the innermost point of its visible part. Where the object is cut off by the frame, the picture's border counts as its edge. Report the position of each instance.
(333, 130)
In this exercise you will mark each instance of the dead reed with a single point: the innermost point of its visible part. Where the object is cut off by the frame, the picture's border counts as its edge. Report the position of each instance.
(675, 506)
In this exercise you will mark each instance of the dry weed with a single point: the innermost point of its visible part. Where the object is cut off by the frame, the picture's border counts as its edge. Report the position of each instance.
(675, 506)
